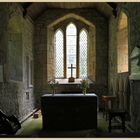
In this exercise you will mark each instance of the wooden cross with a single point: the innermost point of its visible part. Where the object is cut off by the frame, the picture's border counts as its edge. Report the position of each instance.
(71, 69)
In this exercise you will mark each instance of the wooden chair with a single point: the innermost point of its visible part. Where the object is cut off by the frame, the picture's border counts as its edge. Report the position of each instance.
(112, 115)
(112, 112)
(107, 104)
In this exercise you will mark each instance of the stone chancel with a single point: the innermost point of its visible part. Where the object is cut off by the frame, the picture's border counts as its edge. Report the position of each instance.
(39, 41)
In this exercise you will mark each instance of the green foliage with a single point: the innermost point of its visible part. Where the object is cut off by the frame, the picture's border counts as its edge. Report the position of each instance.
(52, 84)
(84, 84)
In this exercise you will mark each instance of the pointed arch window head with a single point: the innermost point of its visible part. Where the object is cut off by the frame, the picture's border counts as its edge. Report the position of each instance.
(71, 37)
(83, 54)
(71, 29)
(59, 55)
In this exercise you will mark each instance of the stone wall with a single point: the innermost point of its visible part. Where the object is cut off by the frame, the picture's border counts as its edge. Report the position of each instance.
(116, 80)
(41, 66)
(16, 97)
(134, 41)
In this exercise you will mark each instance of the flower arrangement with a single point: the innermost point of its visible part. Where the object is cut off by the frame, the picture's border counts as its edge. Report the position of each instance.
(53, 85)
(84, 85)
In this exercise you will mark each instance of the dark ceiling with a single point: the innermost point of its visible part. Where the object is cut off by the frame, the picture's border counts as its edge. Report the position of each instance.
(34, 9)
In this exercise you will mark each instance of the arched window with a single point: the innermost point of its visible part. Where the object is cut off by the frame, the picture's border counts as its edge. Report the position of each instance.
(71, 36)
(122, 44)
(59, 54)
(83, 54)
(71, 48)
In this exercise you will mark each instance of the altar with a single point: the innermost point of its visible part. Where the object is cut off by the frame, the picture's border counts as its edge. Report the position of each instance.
(69, 111)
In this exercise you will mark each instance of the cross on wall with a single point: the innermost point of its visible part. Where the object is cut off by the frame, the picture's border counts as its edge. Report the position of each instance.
(71, 69)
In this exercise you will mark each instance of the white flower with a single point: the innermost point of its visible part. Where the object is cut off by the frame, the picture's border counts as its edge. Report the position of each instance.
(53, 84)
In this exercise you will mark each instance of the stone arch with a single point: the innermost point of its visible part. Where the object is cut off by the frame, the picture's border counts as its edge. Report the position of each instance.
(72, 24)
(71, 15)
(91, 44)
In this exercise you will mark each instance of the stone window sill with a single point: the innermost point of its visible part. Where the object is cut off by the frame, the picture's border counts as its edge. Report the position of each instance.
(65, 81)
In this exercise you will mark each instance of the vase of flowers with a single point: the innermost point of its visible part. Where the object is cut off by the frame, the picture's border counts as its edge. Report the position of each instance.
(84, 86)
(53, 85)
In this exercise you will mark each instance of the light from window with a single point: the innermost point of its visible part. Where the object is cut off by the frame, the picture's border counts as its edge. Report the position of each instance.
(71, 36)
(83, 54)
(59, 55)
(122, 44)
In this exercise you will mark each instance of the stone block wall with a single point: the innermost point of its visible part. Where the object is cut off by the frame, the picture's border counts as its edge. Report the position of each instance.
(16, 97)
(131, 9)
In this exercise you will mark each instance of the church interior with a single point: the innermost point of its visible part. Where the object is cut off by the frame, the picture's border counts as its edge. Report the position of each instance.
(49, 51)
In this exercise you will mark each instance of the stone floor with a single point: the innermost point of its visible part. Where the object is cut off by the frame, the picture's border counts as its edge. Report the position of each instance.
(33, 128)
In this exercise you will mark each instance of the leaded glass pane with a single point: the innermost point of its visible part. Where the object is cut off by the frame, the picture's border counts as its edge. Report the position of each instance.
(71, 49)
(83, 54)
(71, 40)
(59, 55)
